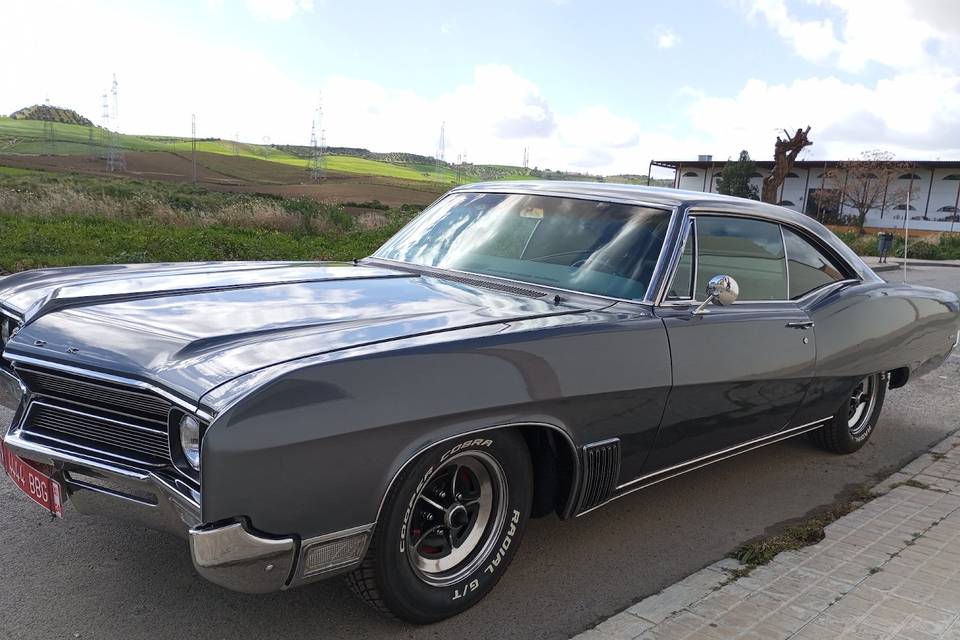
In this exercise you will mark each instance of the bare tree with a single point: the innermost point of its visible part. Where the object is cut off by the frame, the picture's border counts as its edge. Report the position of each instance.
(865, 184)
(785, 153)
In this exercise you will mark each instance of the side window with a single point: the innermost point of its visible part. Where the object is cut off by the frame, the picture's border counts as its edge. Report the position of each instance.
(809, 269)
(751, 251)
(681, 288)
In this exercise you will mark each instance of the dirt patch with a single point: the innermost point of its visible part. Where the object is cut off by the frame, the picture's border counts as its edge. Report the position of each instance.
(242, 174)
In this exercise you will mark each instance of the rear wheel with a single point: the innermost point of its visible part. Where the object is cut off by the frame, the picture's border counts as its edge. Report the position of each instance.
(449, 528)
(856, 419)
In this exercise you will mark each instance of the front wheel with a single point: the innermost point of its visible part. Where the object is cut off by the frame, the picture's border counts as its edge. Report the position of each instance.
(854, 422)
(449, 527)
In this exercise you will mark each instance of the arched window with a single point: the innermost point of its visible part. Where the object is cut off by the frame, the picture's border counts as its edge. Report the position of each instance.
(786, 203)
(953, 176)
(949, 209)
(691, 174)
(819, 176)
(718, 174)
(871, 176)
(791, 175)
(756, 175)
(909, 176)
(901, 207)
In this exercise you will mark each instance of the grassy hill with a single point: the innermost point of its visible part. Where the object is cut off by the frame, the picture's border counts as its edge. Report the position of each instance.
(49, 113)
(26, 136)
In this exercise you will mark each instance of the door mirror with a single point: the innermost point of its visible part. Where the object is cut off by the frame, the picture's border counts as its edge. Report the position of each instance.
(722, 290)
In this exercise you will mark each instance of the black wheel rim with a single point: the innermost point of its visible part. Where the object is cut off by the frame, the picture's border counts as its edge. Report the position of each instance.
(456, 518)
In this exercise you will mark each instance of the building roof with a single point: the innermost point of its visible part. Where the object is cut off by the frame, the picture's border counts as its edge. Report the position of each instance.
(799, 164)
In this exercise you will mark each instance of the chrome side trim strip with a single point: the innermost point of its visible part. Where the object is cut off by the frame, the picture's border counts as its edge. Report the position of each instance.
(660, 475)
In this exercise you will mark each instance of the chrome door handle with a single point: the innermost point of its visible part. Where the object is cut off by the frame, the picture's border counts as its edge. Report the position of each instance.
(800, 324)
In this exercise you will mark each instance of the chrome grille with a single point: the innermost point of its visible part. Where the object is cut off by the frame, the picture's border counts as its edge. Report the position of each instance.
(92, 416)
(109, 397)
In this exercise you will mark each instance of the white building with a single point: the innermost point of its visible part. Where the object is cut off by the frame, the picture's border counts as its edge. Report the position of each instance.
(934, 188)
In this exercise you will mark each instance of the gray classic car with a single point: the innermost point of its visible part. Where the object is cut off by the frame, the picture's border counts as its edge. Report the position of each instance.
(517, 350)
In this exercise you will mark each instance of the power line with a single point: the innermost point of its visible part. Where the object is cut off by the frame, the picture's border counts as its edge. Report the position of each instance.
(441, 145)
(111, 131)
(315, 164)
(193, 143)
(49, 142)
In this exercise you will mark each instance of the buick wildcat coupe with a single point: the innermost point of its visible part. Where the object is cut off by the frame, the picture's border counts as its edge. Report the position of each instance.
(517, 350)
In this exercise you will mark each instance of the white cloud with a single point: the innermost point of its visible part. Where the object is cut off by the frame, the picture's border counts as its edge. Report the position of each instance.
(894, 33)
(278, 9)
(665, 37)
(491, 115)
(913, 114)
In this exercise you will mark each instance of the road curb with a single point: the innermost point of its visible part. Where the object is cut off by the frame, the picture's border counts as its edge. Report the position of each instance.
(674, 611)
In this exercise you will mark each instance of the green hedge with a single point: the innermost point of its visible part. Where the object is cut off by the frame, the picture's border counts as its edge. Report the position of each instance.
(31, 242)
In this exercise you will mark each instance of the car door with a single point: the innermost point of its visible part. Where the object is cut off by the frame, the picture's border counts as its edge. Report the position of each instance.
(740, 371)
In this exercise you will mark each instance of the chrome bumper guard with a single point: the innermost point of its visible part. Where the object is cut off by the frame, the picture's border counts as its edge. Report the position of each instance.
(234, 558)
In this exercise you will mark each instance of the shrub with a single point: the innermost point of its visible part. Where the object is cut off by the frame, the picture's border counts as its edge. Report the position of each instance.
(921, 250)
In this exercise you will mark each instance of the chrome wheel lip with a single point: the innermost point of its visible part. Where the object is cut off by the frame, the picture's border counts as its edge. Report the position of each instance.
(491, 517)
(861, 403)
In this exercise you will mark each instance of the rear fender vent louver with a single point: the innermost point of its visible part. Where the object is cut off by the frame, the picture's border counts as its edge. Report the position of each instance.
(601, 469)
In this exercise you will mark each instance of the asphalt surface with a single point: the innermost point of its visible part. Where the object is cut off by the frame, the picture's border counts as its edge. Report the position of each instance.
(88, 578)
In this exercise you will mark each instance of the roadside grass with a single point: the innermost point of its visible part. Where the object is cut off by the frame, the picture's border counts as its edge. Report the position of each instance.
(31, 242)
(808, 532)
(63, 220)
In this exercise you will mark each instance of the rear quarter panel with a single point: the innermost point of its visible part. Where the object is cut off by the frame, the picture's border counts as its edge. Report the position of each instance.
(875, 327)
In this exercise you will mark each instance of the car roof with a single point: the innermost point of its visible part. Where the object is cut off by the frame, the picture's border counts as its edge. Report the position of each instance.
(675, 198)
(601, 190)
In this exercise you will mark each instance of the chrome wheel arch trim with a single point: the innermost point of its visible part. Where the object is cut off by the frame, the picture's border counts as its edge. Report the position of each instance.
(572, 447)
(656, 477)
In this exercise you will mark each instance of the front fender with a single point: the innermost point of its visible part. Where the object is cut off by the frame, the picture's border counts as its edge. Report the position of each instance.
(315, 450)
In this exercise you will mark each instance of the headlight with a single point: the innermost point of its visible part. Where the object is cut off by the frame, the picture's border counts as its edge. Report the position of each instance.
(6, 328)
(190, 440)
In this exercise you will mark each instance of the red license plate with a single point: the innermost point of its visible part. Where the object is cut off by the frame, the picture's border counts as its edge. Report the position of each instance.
(41, 488)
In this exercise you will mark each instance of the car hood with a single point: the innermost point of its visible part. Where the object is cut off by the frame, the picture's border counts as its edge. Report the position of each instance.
(193, 327)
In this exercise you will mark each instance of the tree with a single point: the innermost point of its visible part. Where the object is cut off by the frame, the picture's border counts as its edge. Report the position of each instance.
(785, 152)
(734, 179)
(868, 183)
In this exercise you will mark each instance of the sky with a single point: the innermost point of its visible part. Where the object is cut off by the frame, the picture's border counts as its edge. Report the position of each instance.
(600, 86)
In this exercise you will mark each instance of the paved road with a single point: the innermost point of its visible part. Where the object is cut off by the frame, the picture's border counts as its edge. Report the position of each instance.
(102, 579)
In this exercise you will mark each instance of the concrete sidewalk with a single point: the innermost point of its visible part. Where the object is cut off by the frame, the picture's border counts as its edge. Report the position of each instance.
(897, 263)
(890, 569)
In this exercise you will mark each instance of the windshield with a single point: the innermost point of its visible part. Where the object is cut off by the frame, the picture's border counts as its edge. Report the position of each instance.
(604, 248)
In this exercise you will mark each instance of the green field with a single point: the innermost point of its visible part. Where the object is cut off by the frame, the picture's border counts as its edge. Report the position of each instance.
(27, 137)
